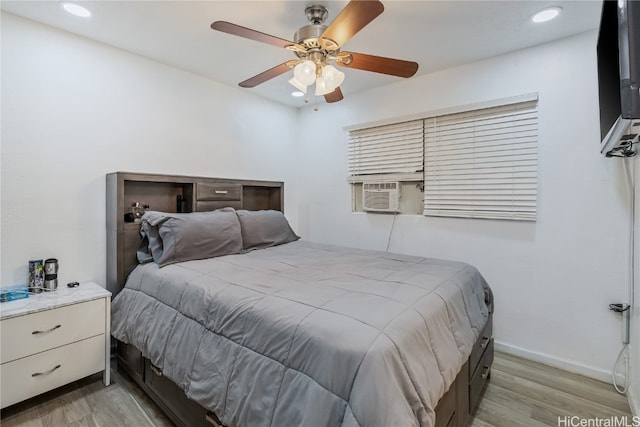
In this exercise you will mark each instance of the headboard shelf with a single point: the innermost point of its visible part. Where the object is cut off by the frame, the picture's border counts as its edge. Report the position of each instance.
(160, 196)
(162, 193)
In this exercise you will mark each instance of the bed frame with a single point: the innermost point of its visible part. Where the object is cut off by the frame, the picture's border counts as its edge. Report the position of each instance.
(171, 193)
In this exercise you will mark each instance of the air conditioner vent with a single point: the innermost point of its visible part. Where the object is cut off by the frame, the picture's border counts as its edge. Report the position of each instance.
(381, 196)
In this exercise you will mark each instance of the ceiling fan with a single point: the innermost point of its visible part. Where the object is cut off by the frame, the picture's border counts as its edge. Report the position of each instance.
(317, 45)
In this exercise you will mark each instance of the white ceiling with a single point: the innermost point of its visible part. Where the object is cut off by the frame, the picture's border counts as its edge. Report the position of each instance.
(435, 34)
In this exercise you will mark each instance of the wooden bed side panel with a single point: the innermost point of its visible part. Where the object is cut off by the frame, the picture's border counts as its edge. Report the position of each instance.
(184, 410)
(447, 412)
(114, 252)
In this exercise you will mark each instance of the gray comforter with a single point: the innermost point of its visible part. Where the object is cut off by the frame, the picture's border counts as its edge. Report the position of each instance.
(305, 334)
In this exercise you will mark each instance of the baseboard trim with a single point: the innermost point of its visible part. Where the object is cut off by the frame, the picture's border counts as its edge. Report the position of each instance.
(634, 403)
(555, 362)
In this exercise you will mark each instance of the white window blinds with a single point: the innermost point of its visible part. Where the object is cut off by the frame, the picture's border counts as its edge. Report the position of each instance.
(388, 149)
(482, 163)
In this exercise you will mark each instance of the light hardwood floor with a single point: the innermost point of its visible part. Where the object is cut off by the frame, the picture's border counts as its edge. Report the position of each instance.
(524, 393)
(519, 393)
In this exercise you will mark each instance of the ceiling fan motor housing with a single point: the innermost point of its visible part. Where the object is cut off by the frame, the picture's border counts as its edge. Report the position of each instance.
(309, 35)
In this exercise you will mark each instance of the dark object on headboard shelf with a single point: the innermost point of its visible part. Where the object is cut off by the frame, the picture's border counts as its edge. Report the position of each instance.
(180, 202)
(172, 193)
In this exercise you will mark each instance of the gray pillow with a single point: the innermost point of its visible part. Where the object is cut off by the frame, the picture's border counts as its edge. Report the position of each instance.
(261, 229)
(177, 237)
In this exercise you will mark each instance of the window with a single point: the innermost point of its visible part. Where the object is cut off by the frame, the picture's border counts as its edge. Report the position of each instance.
(387, 149)
(388, 154)
(482, 163)
(474, 162)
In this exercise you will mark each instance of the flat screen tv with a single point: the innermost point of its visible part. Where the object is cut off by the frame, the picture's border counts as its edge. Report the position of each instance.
(619, 75)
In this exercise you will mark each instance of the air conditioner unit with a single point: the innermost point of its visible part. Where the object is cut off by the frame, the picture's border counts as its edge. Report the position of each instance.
(381, 196)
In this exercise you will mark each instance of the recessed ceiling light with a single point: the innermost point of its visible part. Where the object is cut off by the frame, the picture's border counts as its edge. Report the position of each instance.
(76, 9)
(546, 14)
(297, 94)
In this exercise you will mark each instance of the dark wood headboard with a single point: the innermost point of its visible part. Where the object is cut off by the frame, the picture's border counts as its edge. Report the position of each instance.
(161, 193)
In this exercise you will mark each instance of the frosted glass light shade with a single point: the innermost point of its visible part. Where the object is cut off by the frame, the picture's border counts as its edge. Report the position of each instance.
(295, 83)
(321, 87)
(332, 77)
(305, 72)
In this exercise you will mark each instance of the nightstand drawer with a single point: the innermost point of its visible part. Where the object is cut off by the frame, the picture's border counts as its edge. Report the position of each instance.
(33, 375)
(33, 333)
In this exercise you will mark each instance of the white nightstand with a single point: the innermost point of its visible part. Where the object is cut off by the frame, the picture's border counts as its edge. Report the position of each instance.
(53, 338)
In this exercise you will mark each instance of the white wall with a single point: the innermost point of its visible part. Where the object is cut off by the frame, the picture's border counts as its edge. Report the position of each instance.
(553, 279)
(74, 110)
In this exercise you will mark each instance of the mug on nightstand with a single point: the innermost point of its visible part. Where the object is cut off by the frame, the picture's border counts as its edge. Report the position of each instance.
(51, 274)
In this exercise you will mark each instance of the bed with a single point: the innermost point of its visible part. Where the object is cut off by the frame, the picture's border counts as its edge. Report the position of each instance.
(288, 332)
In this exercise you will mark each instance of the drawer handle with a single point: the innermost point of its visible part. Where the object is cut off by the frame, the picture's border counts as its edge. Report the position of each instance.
(37, 374)
(485, 341)
(221, 192)
(47, 331)
(485, 374)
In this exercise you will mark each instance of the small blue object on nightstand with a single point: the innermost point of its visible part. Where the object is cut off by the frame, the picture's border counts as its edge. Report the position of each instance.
(15, 292)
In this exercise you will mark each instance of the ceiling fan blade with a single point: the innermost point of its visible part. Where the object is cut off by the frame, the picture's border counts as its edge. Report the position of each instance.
(334, 96)
(266, 75)
(377, 64)
(354, 17)
(248, 33)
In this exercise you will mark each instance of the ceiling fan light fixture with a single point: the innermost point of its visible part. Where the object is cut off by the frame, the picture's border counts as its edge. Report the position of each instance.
(317, 44)
(332, 77)
(295, 83)
(321, 87)
(305, 72)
